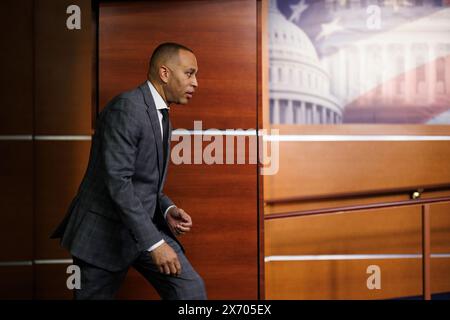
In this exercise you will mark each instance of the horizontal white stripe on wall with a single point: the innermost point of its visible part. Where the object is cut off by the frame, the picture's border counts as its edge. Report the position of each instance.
(31, 262)
(16, 137)
(324, 138)
(53, 261)
(235, 132)
(327, 257)
(214, 132)
(62, 138)
(310, 138)
(44, 137)
(16, 263)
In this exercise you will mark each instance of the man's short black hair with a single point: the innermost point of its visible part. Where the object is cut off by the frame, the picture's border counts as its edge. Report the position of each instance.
(162, 53)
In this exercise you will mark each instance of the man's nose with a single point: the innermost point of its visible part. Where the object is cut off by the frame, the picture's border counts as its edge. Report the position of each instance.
(194, 82)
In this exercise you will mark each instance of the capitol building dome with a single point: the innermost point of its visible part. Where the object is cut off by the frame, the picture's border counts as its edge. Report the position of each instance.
(299, 85)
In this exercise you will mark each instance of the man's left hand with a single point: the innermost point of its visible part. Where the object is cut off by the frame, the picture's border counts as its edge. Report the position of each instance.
(179, 221)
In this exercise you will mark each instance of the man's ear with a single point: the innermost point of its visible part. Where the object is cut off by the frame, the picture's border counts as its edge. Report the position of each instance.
(164, 74)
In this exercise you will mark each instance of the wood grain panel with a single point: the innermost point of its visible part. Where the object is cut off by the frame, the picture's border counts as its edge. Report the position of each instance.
(440, 228)
(380, 231)
(16, 200)
(16, 282)
(440, 275)
(321, 168)
(222, 34)
(63, 79)
(60, 166)
(342, 279)
(222, 246)
(16, 63)
(50, 282)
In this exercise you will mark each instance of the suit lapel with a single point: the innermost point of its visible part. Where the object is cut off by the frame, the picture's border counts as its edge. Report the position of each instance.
(154, 120)
(168, 155)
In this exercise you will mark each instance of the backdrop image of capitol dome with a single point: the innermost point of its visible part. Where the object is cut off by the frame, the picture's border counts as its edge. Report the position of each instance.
(359, 61)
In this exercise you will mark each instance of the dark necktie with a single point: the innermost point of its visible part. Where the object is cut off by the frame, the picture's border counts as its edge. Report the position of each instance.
(165, 126)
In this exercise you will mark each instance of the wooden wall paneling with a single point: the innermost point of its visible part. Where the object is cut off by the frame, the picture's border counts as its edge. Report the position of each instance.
(222, 246)
(223, 37)
(60, 166)
(16, 61)
(440, 277)
(342, 279)
(376, 231)
(16, 161)
(323, 168)
(63, 80)
(16, 205)
(380, 231)
(63, 106)
(440, 244)
(440, 228)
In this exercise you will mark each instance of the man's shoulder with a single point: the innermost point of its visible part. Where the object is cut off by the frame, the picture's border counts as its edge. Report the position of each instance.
(134, 95)
(131, 101)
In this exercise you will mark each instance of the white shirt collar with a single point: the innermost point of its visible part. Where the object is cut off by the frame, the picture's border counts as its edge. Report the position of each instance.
(159, 101)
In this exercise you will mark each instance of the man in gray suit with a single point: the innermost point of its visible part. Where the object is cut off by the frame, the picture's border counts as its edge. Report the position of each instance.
(120, 216)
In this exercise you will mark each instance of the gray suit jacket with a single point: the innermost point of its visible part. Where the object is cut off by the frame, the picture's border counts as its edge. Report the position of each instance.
(118, 210)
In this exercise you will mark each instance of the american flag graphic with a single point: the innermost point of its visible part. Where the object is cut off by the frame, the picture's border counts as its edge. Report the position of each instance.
(359, 61)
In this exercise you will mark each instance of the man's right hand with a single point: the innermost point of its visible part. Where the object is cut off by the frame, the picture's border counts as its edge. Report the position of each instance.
(166, 260)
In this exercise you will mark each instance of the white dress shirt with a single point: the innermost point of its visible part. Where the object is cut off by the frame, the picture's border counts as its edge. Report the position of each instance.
(160, 104)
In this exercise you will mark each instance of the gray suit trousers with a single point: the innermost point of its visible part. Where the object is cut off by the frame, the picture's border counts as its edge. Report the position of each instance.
(101, 284)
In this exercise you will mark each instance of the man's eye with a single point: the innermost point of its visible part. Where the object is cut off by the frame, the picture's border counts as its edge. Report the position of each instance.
(189, 74)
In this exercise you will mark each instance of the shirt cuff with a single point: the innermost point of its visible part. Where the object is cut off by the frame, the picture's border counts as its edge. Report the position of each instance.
(156, 245)
(167, 210)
